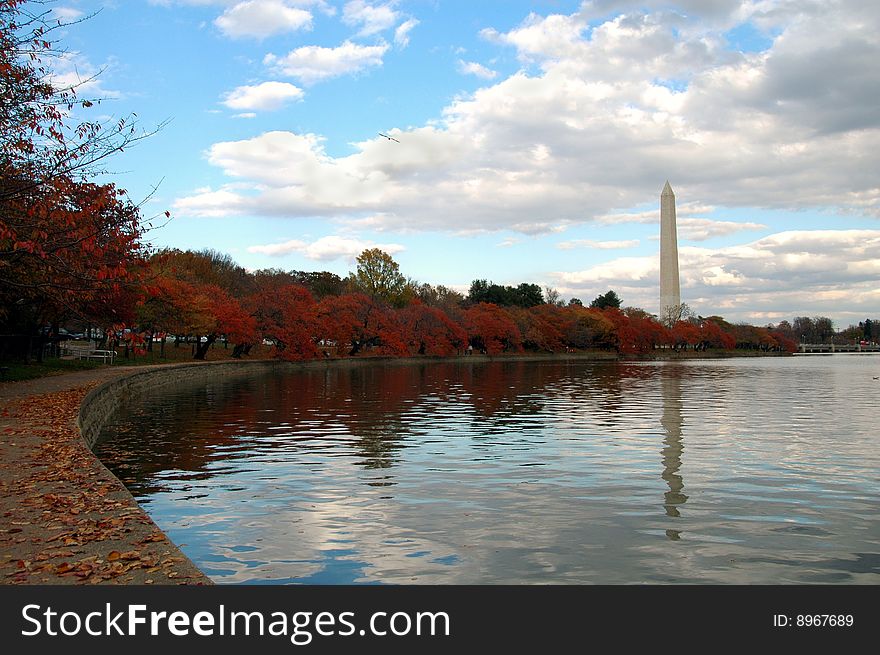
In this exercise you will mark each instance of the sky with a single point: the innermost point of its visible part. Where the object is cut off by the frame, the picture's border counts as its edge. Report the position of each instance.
(532, 140)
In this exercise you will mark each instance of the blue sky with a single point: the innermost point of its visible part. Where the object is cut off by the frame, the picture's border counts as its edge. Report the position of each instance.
(534, 139)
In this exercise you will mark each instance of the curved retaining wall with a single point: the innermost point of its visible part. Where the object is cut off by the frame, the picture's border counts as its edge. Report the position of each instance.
(101, 402)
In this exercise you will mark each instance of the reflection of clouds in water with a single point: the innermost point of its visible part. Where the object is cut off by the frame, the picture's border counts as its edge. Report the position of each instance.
(504, 473)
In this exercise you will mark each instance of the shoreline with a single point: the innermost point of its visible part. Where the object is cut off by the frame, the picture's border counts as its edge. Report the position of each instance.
(68, 520)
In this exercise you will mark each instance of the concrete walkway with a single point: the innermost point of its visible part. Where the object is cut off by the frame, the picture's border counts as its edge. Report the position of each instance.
(64, 518)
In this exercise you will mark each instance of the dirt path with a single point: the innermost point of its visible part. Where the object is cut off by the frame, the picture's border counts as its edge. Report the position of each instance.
(64, 518)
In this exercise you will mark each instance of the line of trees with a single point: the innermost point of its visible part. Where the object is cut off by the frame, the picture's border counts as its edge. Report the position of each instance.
(205, 297)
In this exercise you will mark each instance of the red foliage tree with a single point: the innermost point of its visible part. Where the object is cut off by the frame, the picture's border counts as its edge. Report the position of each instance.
(538, 328)
(637, 331)
(685, 335)
(355, 323)
(63, 246)
(490, 329)
(712, 336)
(65, 243)
(288, 317)
(429, 331)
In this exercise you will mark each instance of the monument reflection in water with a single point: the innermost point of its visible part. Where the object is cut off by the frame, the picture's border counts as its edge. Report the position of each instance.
(671, 420)
(727, 471)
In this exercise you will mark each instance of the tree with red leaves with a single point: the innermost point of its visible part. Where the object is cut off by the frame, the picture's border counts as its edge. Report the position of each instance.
(491, 330)
(538, 329)
(637, 331)
(288, 317)
(357, 323)
(685, 335)
(64, 242)
(429, 331)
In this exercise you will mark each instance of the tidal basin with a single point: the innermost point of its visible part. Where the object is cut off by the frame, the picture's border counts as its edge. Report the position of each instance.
(760, 470)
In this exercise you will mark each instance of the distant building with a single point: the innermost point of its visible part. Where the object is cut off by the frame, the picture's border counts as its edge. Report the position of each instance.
(670, 292)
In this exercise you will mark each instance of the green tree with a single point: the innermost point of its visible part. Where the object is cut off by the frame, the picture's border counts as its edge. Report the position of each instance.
(378, 276)
(610, 299)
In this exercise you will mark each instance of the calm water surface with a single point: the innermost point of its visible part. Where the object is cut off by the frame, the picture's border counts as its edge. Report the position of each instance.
(745, 471)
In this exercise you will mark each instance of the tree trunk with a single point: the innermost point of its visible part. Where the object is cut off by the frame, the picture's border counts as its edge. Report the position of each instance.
(202, 348)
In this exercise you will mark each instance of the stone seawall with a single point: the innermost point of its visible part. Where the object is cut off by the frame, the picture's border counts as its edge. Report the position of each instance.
(101, 403)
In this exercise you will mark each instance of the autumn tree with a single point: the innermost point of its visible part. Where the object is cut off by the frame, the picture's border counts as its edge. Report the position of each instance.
(63, 245)
(219, 315)
(429, 331)
(537, 330)
(64, 241)
(378, 276)
(356, 323)
(588, 328)
(440, 296)
(685, 335)
(39, 139)
(288, 317)
(636, 330)
(490, 329)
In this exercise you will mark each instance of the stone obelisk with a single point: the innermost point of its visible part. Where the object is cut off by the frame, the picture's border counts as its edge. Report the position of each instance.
(670, 293)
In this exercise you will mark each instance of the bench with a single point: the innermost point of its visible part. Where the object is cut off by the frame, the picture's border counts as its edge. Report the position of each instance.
(106, 356)
(87, 352)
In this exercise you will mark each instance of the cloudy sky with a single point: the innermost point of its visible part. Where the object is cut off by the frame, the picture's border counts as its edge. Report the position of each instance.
(532, 139)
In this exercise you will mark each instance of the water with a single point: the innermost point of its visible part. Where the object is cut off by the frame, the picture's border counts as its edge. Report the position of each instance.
(757, 470)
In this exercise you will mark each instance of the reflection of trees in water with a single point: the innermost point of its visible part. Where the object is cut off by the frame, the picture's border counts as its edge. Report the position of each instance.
(375, 409)
(671, 421)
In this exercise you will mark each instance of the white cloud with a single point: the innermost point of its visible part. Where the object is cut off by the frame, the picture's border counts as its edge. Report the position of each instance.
(73, 70)
(473, 68)
(267, 96)
(604, 116)
(401, 34)
(324, 249)
(372, 18)
(508, 242)
(314, 63)
(65, 14)
(210, 203)
(599, 245)
(785, 274)
(263, 18)
(702, 229)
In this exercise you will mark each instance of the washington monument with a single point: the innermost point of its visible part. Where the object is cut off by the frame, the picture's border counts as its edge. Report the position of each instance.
(670, 294)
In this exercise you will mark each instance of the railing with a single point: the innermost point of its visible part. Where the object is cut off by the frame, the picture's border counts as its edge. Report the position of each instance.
(838, 348)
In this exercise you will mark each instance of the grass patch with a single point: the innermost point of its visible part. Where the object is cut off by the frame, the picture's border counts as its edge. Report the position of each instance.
(11, 371)
(17, 371)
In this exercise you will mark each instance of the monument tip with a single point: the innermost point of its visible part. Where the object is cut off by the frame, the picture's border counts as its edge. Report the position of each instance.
(667, 190)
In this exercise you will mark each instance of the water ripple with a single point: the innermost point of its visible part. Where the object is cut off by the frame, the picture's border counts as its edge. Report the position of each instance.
(716, 471)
